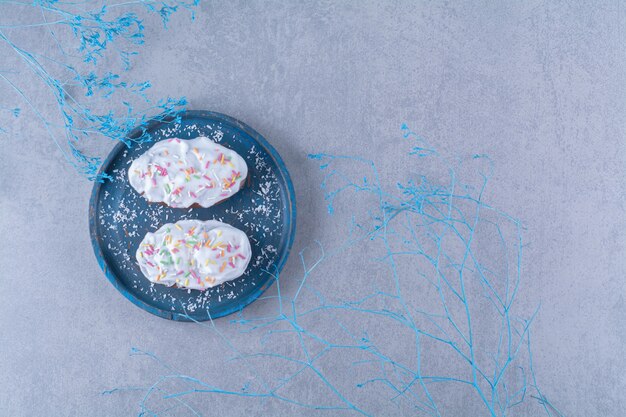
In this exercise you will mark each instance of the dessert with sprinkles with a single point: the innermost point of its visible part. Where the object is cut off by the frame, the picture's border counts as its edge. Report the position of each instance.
(194, 254)
(183, 173)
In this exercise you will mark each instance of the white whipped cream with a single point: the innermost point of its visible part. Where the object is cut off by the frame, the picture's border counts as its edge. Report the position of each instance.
(194, 254)
(181, 172)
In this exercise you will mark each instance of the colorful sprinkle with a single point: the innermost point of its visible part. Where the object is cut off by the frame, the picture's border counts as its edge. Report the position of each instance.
(162, 170)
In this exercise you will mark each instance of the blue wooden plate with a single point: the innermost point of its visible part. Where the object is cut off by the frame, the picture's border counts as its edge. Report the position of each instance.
(265, 209)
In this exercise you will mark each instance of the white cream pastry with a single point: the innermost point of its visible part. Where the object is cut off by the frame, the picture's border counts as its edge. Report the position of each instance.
(181, 172)
(194, 254)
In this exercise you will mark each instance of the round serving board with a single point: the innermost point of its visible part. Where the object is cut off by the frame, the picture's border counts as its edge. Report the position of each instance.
(265, 209)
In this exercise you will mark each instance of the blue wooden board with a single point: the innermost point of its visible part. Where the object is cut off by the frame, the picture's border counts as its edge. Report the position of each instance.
(265, 209)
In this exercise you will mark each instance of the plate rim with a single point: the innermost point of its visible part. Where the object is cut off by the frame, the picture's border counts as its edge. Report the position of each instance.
(93, 226)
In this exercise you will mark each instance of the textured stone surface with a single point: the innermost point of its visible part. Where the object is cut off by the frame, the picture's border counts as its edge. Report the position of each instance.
(539, 86)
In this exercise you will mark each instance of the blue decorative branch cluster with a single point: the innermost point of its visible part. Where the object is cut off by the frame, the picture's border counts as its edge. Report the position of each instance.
(68, 70)
(448, 288)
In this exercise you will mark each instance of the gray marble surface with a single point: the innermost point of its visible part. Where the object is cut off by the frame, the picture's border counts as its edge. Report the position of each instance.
(539, 86)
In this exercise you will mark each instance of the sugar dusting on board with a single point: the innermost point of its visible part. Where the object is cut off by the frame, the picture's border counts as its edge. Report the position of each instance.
(124, 217)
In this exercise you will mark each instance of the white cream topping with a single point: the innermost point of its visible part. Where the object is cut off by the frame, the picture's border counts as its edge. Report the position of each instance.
(181, 172)
(194, 254)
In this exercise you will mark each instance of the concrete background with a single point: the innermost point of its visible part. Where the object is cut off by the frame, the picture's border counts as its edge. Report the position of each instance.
(539, 86)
